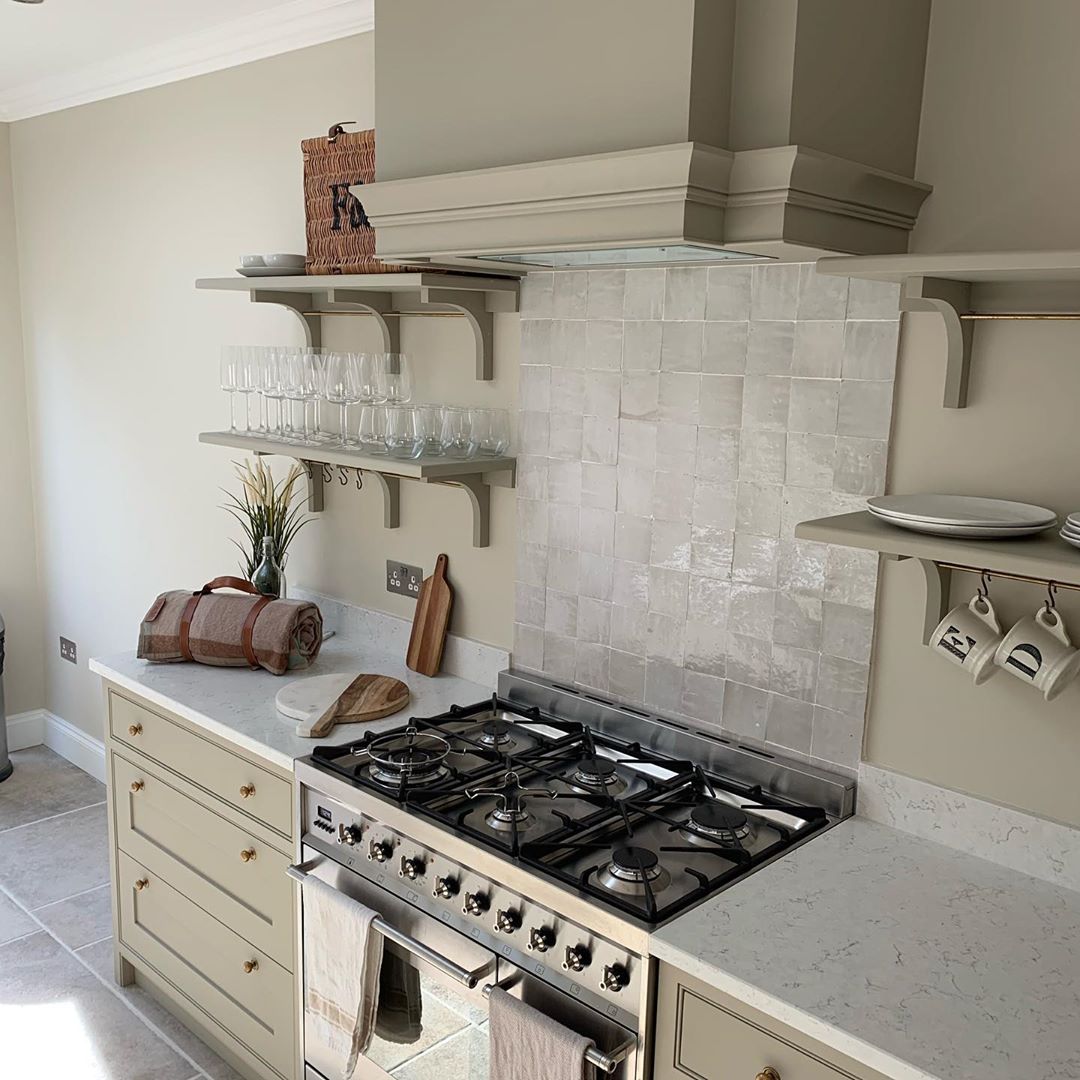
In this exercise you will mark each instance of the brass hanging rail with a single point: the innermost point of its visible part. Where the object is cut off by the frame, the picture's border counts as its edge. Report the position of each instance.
(996, 575)
(394, 314)
(1021, 316)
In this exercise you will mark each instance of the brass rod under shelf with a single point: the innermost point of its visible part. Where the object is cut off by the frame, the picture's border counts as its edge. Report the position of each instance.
(394, 314)
(1002, 575)
(1021, 316)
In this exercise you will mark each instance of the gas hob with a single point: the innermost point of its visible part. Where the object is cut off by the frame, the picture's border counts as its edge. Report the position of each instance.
(631, 812)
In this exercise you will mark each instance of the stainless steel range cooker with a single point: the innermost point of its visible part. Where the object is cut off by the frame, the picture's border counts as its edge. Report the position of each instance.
(534, 841)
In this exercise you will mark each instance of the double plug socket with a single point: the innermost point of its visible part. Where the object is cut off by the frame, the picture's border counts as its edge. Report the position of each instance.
(404, 579)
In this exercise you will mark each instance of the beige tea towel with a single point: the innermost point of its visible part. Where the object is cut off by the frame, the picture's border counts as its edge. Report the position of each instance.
(527, 1045)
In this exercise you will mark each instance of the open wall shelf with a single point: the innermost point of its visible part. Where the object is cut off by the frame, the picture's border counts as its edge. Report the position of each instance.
(1043, 558)
(386, 298)
(972, 287)
(474, 475)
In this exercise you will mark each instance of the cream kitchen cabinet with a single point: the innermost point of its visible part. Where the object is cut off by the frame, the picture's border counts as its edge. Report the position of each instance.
(703, 1034)
(204, 915)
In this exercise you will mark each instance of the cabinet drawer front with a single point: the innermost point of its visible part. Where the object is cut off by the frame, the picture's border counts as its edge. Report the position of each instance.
(712, 1043)
(242, 784)
(206, 962)
(236, 878)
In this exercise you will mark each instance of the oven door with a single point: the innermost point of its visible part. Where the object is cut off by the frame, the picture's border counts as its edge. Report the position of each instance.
(430, 1025)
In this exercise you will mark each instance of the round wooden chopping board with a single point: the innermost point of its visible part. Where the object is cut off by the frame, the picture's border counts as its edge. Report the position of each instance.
(305, 700)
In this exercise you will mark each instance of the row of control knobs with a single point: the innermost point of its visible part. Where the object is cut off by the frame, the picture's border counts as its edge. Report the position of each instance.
(507, 921)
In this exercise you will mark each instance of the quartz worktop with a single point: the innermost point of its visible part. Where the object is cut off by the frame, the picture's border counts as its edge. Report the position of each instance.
(237, 704)
(913, 958)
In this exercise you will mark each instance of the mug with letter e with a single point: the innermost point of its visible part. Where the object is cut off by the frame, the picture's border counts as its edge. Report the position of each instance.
(1038, 651)
(969, 637)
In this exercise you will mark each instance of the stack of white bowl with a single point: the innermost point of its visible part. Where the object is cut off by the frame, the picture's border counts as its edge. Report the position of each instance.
(1070, 531)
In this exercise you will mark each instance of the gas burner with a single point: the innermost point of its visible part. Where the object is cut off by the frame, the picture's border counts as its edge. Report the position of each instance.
(412, 758)
(495, 734)
(509, 813)
(506, 819)
(597, 775)
(634, 871)
(717, 822)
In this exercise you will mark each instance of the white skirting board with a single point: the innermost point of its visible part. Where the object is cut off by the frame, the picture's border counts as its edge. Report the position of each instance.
(39, 727)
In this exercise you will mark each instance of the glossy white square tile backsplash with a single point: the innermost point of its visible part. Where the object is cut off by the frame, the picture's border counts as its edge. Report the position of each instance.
(675, 426)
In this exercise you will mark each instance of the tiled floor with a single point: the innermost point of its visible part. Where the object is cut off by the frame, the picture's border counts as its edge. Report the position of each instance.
(61, 1013)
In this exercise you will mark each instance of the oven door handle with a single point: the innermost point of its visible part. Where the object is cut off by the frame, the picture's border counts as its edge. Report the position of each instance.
(606, 1063)
(300, 871)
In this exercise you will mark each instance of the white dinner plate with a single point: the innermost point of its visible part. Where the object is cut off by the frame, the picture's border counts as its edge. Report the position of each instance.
(1072, 530)
(966, 511)
(1074, 540)
(972, 532)
(1073, 519)
(270, 271)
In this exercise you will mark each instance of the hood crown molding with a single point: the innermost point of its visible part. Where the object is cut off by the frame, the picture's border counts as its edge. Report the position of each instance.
(289, 26)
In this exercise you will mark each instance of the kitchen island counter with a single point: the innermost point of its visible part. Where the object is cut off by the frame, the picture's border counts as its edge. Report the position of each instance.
(912, 958)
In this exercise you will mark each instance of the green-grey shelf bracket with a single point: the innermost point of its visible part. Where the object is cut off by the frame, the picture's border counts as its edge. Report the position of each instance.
(950, 299)
(298, 303)
(479, 492)
(316, 486)
(378, 304)
(477, 307)
(938, 583)
(390, 486)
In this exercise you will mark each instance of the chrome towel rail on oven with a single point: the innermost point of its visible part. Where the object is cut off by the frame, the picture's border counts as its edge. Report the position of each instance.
(606, 1063)
(463, 975)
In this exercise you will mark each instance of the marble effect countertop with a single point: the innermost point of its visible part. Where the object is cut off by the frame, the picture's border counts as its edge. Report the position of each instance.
(913, 958)
(238, 704)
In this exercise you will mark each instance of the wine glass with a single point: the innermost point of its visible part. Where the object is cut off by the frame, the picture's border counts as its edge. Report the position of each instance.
(230, 359)
(458, 440)
(371, 391)
(273, 383)
(253, 361)
(301, 386)
(343, 386)
(394, 378)
(245, 385)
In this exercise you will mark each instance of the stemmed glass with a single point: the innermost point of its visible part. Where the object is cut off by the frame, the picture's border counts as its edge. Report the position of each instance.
(273, 386)
(254, 379)
(394, 378)
(343, 386)
(230, 362)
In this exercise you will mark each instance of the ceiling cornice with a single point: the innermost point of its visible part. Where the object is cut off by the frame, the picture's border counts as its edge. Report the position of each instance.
(293, 25)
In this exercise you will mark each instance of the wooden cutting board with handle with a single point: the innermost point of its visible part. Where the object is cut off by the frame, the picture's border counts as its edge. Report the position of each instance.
(360, 698)
(430, 622)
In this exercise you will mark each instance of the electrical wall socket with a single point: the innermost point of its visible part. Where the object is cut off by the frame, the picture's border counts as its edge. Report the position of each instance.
(68, 650)
(404, 579)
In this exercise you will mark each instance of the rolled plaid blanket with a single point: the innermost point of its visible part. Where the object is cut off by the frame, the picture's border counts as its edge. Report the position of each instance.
(228, 630)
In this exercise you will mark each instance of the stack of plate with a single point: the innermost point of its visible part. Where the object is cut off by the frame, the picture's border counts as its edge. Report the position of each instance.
(1070, 531)
(965, 515)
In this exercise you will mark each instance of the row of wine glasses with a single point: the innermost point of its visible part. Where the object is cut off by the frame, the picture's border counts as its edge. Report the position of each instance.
(289, 381)
(283, 387)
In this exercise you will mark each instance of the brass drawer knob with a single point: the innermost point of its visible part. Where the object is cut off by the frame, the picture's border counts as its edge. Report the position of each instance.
(141, 884)
(246, 791)
(768, 1073)
(137, 786)
(135, 729)
(250, 966)
(247, 854)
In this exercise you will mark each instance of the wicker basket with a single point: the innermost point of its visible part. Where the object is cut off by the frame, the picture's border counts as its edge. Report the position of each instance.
(340, 240)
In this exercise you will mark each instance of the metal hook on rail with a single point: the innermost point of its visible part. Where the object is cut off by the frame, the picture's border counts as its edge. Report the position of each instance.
(1051, 593)
(984, 584)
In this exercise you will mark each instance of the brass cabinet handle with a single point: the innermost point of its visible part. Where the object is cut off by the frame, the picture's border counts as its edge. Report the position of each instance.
(135, 729)
(247, 854)
(250, 966)
(247, 790)
(141, 884)
(768, 1073)
(137, 786)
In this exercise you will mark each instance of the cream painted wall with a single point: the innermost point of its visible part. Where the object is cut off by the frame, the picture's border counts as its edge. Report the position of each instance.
(121, 205)
(1001, 88)
(20, 597)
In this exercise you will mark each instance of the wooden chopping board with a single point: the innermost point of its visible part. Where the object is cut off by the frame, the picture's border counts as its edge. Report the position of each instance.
(430, 621)
(321, 702)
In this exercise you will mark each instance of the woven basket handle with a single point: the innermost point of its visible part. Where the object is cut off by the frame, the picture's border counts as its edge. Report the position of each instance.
(338, 129)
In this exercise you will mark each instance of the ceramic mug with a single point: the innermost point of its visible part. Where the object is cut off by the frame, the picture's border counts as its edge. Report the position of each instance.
(1038, 651)
(969, 636)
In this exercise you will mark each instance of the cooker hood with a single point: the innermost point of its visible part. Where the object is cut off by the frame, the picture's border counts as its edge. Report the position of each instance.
(619, 133)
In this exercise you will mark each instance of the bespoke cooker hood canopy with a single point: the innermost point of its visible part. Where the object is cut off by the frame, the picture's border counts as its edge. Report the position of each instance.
(621, 133)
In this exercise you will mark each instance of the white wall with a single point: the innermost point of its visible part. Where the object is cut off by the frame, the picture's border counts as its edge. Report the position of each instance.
(20, 597)
(121, 205)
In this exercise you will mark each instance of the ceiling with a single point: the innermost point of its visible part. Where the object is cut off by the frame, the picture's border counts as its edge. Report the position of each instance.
(67, 52)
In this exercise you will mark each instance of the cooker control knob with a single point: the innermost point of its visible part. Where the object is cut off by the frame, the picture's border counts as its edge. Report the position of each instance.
(411, 868)
(380, 850)
(507, 921)
(541, 938)
(615, 978)
(475, 904)
(348, 834)
(445, 888)
(577, 958)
